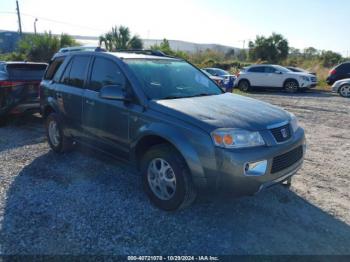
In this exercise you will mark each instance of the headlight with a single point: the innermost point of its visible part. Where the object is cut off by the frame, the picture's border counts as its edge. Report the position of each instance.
(236, 138)
(294, 122)
(305, 78)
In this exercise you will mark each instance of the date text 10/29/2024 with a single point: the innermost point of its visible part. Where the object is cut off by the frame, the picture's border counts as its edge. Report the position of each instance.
(173, 258)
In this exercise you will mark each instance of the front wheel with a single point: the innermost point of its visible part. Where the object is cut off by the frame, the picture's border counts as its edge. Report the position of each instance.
(344, 91)
(291, 86)
(55, 135)
(166, 178)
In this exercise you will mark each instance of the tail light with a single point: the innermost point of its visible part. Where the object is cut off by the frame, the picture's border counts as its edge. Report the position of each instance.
(333, 72)
(9, 83)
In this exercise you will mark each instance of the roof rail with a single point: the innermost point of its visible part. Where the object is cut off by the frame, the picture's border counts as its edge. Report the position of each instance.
(81, 48)
(145, 52)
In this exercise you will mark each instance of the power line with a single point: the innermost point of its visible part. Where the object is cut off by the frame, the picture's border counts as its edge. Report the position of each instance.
(56, 21)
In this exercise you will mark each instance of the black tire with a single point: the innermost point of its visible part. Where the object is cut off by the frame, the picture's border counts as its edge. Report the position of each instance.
(185, 193)
(291, 86)
(64, 144)
(244, 85)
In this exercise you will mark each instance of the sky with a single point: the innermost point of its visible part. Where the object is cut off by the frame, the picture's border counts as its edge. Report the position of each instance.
(319, 23)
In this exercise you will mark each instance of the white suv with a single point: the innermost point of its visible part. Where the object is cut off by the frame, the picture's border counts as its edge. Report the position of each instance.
(273, 76)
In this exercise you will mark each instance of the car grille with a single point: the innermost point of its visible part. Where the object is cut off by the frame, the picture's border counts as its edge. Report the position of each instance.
(313, 79)
(286, 160)
(281, 133)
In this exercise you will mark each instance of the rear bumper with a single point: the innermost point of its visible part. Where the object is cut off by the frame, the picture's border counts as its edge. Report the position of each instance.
(32, 107)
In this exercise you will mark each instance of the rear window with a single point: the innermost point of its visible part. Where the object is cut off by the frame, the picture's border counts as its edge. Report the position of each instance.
(344, 67)
(26, 71)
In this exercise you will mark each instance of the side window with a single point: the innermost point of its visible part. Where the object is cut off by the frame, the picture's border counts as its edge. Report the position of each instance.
(53, 67)
(78, 71)
(75, 72)
(257, 69)
(65, 77)
(269, 69)
(345, 68)
(105, 72)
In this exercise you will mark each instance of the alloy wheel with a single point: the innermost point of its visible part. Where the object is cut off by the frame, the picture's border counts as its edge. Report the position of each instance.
(345, 91)
(161, 179)
(54, 133)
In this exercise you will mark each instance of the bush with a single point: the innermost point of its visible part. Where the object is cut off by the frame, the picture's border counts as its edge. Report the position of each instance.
(41, 48)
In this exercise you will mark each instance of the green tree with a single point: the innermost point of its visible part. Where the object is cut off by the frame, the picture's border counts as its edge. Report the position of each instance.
(41, 48)
(330, 58)
(272, 49)
(120, 38)
(310, 52)
(165, 47)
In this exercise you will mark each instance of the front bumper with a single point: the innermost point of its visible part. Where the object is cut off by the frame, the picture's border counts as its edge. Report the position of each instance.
(231, 175)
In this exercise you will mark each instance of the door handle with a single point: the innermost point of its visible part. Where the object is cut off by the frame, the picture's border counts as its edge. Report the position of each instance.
(91, 103)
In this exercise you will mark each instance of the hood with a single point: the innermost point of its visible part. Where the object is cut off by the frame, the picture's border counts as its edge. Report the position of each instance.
(222, 111)
(343, 81)
(302, 74)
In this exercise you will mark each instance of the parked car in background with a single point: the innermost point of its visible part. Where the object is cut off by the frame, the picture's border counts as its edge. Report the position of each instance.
(339, 72)
(19, 87)
(273, 76)
(299, 70)
(342, 87)
(171, 121)
(228, 79)
(218, 80)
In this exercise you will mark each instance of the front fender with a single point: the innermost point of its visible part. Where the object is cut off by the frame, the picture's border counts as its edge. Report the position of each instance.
(182, 139)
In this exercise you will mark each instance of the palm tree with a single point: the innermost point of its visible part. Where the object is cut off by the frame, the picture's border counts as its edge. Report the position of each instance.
(120, 38)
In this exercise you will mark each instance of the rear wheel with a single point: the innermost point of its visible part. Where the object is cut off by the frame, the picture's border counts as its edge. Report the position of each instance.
(244, 86)
(55, 135)
(344, 91)
(166, 178)
(291, 86)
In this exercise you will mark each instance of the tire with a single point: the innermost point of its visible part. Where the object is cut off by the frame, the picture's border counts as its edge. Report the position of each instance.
(244, 85)
(58, 142)
(291, 86)
(344, 90)
(180, 192)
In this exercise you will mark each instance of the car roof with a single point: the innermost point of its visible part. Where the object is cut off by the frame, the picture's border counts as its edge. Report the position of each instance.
(137, 54)
(22, 63)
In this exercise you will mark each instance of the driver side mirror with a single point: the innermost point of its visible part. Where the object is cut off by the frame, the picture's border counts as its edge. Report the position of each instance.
(113, 92)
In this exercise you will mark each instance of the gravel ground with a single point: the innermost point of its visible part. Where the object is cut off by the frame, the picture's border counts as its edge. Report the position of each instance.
(81, 203)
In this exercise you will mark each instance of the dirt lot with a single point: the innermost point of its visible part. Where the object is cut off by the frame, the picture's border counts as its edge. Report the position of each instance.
(81, 203)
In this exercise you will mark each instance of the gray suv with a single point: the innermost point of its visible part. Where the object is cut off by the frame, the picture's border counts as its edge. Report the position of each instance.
(169, 119)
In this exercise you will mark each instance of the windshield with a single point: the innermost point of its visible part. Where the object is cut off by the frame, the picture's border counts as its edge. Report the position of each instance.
(170, 79)
(282, 69)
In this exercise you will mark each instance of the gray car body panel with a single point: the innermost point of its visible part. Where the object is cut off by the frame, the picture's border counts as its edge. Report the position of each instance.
(187, 124)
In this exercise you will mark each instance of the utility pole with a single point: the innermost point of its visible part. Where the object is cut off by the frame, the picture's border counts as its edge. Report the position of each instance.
(36, 20)
(19, 19)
